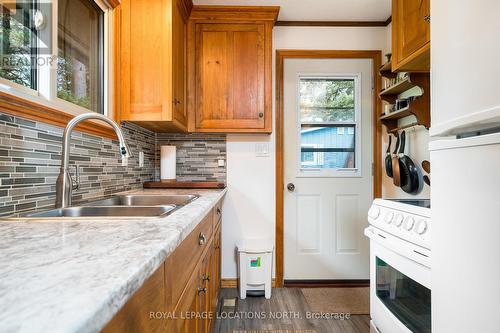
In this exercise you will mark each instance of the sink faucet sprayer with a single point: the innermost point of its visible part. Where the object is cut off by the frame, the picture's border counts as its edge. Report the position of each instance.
(64, 184)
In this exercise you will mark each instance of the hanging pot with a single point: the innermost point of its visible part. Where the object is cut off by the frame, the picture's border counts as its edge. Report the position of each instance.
(409, 177)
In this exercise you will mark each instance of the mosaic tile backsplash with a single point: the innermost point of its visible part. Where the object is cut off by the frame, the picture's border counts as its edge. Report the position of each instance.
(30, 156)
(197, 155)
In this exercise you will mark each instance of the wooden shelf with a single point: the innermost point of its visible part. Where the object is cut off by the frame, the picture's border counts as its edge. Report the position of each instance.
(386, 71)
(398, 88)
(404, 112)
(419, 107)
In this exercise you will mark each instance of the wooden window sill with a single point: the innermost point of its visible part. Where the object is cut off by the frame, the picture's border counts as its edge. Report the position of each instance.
(23, 108)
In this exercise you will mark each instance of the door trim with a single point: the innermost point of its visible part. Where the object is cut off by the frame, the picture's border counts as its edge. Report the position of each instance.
(281, 55)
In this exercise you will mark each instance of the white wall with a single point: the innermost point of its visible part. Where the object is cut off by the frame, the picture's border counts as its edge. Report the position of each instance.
(249, 208)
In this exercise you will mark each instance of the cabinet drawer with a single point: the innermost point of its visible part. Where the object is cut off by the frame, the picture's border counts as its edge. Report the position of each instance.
(181, 263)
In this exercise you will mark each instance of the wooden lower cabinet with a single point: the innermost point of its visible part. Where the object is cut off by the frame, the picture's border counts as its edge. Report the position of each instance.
(182, 292)
(135, 315)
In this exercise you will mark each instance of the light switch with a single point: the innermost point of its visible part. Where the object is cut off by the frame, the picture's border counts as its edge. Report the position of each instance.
(141, 159)
(262, 149)
(221, 163)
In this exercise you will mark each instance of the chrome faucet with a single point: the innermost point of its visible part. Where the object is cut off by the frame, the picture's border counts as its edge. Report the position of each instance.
(64, 183)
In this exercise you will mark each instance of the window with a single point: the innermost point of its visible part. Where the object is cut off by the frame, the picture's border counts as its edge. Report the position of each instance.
(78, 54)
(17, 41)
(328, 123)
(404, 297)
(311, 158)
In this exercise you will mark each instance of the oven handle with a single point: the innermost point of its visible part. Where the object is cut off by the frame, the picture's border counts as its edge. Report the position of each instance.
(413, 252)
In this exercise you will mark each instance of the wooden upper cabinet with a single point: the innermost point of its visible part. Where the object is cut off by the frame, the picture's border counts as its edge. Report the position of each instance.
(152, 63)
(411, 35)
(230, 55)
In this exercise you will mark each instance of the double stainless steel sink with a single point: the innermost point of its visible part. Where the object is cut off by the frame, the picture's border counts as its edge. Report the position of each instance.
(127, 205)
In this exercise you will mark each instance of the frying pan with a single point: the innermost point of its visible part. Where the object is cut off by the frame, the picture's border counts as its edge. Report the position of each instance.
(395, 162)
(427, 166)
(409, 178)
(388, 157)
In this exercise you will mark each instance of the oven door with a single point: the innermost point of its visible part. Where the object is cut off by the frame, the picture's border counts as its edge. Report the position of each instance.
(400, 287)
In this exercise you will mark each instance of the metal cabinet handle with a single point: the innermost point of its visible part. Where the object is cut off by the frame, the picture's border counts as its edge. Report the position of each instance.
(202, 239)
(202, 290)
(427, 18)
(206, 277)
(291, 187)
(261, 115)
(218, 211)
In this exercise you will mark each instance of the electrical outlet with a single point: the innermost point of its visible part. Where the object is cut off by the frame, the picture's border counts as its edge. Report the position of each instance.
(262, 149)
(141, 159)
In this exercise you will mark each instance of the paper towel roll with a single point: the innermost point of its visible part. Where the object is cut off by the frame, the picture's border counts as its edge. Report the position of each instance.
(167, 163)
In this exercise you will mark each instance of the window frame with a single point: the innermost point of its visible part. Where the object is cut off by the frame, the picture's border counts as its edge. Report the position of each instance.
(355, 172)
(46, 93)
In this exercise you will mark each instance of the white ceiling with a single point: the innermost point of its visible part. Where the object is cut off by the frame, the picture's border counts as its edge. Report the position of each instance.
(318, 10)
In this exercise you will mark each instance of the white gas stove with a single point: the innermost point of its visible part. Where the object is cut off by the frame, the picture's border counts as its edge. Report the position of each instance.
(406, 219)
(400, 266)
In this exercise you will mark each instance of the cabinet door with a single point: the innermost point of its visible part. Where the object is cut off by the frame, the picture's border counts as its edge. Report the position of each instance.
(146, 78)
(230, 83)
(214, 276)
(415, 31)
(179, 26)
(411, 35)
(204, 294)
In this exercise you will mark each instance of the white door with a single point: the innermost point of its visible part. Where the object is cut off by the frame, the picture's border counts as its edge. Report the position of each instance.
(328, 167)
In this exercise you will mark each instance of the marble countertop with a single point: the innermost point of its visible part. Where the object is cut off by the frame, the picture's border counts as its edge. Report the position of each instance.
(74, 276)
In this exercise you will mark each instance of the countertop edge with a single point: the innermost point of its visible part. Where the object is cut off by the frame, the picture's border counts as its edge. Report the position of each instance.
(103, 316)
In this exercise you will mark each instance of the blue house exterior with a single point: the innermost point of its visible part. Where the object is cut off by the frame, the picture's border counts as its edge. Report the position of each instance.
(323, 138)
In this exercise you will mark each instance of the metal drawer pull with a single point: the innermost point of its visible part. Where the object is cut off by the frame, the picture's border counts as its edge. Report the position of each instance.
(202, 290)
(202, 239)
(218, 211)
(206, 278)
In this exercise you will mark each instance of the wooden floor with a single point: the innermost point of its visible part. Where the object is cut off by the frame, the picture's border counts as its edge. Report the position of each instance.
(283, 301)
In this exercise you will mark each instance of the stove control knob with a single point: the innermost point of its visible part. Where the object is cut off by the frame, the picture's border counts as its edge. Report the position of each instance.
(409, 223)
(399, 220)
(421, 227)
(388, 217)
(374, 212)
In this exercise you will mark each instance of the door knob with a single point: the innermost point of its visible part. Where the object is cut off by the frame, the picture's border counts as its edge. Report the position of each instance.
(290, 187)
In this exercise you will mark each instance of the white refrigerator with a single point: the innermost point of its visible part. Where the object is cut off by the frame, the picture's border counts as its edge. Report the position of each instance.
(465, 165)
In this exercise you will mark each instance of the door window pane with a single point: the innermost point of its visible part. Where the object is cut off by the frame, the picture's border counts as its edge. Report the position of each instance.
(327, 147)
(326, 99)
(407, 299)
(80, 62)
(328, 122)
(17, 43)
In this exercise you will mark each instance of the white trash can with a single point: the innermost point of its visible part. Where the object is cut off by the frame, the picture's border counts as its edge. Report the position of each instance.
(255, 263)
